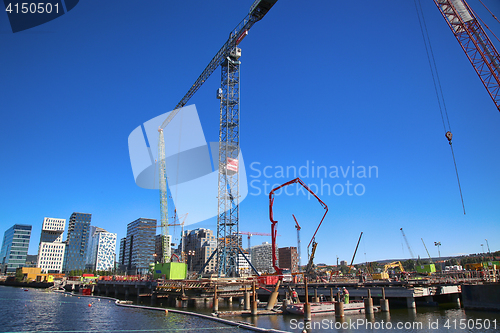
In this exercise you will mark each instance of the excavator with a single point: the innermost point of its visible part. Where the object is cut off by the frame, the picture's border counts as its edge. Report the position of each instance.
(384, 275)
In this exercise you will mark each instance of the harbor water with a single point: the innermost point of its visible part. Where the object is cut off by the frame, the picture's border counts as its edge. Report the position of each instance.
(37, 310)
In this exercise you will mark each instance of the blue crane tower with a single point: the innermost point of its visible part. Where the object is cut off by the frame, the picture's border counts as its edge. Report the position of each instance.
(229, 141)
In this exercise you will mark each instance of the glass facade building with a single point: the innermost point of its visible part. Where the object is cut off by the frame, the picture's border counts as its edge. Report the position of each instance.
(101, 250)
(51, 249)
(137, 249)
(16, 241)
(75, 256)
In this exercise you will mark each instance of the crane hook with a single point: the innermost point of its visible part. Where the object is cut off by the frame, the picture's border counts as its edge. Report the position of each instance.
(449, 136)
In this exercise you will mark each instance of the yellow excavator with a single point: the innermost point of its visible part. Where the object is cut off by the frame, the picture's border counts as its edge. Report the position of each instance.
(384, 275)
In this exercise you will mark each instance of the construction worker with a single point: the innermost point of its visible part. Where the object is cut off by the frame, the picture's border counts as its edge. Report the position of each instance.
(295, 296)
(346, 295)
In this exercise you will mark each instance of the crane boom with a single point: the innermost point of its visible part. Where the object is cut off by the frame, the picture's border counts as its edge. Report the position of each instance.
(427, 250)
(257, 11)
(477, 46)
(407, 244)
(356, 250)
(297, 226)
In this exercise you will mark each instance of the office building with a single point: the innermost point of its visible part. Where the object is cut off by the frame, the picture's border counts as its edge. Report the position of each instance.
(243, 265)
(138, 248)
(101, 250)
(51, 248)
(16, 241)
(75, 255)
(261, 257)
(199, 245)
(289, 258)
(158, 255)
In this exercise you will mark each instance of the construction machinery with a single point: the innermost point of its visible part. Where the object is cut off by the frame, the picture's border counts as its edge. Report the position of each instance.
(407, 244)
(475, 42)
(229, 138)
(274, 223)
(297, 226)
(165, 239)
(426, 250)
(250, 234)
(310, 271)
(356, 250)
(384, 275)
(426, 268)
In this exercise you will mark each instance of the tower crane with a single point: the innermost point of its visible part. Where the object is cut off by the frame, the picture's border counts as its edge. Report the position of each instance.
(407, 244)
(165, 239)
(477, 46)
(250, 234)
(297, 226)
(229, 139)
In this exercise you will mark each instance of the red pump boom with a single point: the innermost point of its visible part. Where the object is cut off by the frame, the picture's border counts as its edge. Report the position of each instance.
(274, 231)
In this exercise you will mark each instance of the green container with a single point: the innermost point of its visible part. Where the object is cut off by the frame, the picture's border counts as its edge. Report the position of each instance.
(428, 268)
(490, 264)
(170, 271)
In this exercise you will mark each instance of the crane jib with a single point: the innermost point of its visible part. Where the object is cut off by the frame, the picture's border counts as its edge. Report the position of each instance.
(257, 11)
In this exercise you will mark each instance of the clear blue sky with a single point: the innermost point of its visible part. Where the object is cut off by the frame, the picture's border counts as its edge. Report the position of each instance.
(329, 82)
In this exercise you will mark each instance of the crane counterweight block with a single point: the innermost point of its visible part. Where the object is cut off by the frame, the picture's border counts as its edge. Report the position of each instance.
(274, 222)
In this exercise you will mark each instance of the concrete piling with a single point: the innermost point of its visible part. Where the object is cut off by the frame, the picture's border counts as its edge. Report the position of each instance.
(284, 305)
(369, 303)
(254, 300)
(331, 295)
(247, 300)
(216, 300)
(410, 302)
(316, 298)
(339, 309)
(384, 303)
(307, 305)
(456, 299)
(274, 297)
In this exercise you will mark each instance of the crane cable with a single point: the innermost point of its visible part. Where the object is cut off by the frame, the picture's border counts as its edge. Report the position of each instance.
(496, 19)
(437, 84)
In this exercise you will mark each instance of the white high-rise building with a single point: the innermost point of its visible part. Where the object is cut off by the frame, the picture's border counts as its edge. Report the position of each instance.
(101, 249)
(243, 265)
(51, 248)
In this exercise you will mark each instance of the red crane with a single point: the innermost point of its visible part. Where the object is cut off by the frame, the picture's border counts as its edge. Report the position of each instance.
(477, 46)
(250, 234)
(273, 222)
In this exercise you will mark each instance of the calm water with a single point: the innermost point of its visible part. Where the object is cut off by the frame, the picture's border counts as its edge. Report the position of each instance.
(40, 311)
(36, 310)
(399, 320)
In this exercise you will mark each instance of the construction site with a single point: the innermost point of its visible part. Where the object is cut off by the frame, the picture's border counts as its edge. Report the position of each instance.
(263, 161)
(265, 279)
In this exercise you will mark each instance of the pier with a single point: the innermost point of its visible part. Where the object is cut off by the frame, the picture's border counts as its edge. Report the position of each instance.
(210, 293)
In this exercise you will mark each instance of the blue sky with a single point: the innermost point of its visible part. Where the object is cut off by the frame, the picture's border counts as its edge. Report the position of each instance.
(330, 83)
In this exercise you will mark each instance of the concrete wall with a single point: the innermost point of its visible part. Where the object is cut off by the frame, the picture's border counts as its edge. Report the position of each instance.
(481, 296)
